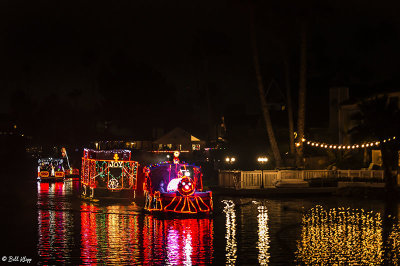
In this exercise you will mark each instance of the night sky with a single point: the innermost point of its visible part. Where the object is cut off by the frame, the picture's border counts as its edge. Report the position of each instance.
(149, 64)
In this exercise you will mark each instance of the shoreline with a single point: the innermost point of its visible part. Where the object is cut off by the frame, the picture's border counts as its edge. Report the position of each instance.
(371, 192)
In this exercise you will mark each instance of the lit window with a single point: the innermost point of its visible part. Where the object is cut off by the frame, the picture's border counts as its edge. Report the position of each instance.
(196, 147)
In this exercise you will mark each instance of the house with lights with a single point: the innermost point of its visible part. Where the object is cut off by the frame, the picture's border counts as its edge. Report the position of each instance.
(180, 140)
(177, 139)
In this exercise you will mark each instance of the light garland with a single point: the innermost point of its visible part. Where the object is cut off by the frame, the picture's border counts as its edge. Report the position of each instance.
(344, 147)
(98, 172)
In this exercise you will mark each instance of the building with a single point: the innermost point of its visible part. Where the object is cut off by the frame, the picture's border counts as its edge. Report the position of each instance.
(180, 140)
(346, 113)
(176, 140)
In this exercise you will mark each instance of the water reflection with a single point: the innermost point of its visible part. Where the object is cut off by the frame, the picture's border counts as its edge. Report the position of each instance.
(263, 236)
(110, 234)
(178, 241)
(71, 231)
(55, 226)
(393, 253)
(230, 235)
(340, 236)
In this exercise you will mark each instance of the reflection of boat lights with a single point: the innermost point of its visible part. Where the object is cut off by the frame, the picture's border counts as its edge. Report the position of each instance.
(109, 236)
(177, 241)
(172, 246)
(263, 236)
(188, 249)
(114, 233)
(340, 236)
(51, 190)
(230, 236)
(55, 226)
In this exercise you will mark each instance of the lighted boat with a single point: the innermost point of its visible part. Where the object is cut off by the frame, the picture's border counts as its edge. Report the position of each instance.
(108, 174)
(175, 187)
(69, 171)
(51, 169)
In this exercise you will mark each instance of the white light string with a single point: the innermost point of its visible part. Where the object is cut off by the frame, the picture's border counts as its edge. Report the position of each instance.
(323, 145)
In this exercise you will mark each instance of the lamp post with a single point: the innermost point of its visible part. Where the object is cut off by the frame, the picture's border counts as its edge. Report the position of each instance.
(230, 160)
(262, 160)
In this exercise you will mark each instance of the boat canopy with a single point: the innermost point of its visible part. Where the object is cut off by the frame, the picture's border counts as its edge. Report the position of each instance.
(122, 155)
(161, 175)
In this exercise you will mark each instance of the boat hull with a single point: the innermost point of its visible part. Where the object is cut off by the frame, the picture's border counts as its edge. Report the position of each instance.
(199, 203)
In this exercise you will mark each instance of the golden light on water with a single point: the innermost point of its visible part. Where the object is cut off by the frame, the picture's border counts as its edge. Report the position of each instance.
(230, 235)
(340, 237)
(394, 243)
(263, 236)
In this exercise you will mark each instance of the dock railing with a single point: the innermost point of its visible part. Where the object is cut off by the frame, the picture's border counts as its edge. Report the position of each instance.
(268, 178)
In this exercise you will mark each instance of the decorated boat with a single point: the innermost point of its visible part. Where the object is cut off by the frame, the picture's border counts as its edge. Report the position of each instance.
(69, 171)
(56, 169)
(51, 169)
(176, 187)
(108, 174)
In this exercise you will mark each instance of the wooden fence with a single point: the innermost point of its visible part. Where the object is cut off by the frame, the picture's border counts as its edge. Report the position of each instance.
(258, 179)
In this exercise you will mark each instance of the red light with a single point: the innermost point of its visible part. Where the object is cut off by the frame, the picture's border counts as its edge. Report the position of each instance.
(44, 174)
(186, 186)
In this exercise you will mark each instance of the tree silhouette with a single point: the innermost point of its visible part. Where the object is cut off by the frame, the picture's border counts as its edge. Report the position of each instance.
(380, 118)
(264, 104)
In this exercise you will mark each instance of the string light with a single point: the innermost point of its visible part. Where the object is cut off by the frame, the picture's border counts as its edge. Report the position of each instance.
(344, 147)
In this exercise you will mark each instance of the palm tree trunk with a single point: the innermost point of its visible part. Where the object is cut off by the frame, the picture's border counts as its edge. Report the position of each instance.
(302, 96)
(264, 105)
(289, 107)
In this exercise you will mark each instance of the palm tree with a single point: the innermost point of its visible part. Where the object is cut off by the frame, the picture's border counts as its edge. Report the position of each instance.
(264, 105)
(302, 95)
(289, 105)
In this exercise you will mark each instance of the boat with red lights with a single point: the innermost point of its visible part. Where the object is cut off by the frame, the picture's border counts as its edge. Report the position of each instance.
(56, 169)
(51, 169)
(108, 174)
(177, 188)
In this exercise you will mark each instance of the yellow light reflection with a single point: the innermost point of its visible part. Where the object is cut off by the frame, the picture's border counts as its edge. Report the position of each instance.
(263, 236)
(230, 236)
(394, 243)
(340, 237)
(115, 234)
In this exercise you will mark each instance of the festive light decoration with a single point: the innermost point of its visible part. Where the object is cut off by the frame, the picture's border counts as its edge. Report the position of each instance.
(181, 151)
(59, 174)
(186, 186)
(44, 174)
(173, 184)
(50, 168)
(183, 194)
(104, 169)
(344, 147)
(176, 157)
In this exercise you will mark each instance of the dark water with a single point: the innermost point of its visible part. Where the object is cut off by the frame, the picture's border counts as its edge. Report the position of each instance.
(48, 223)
